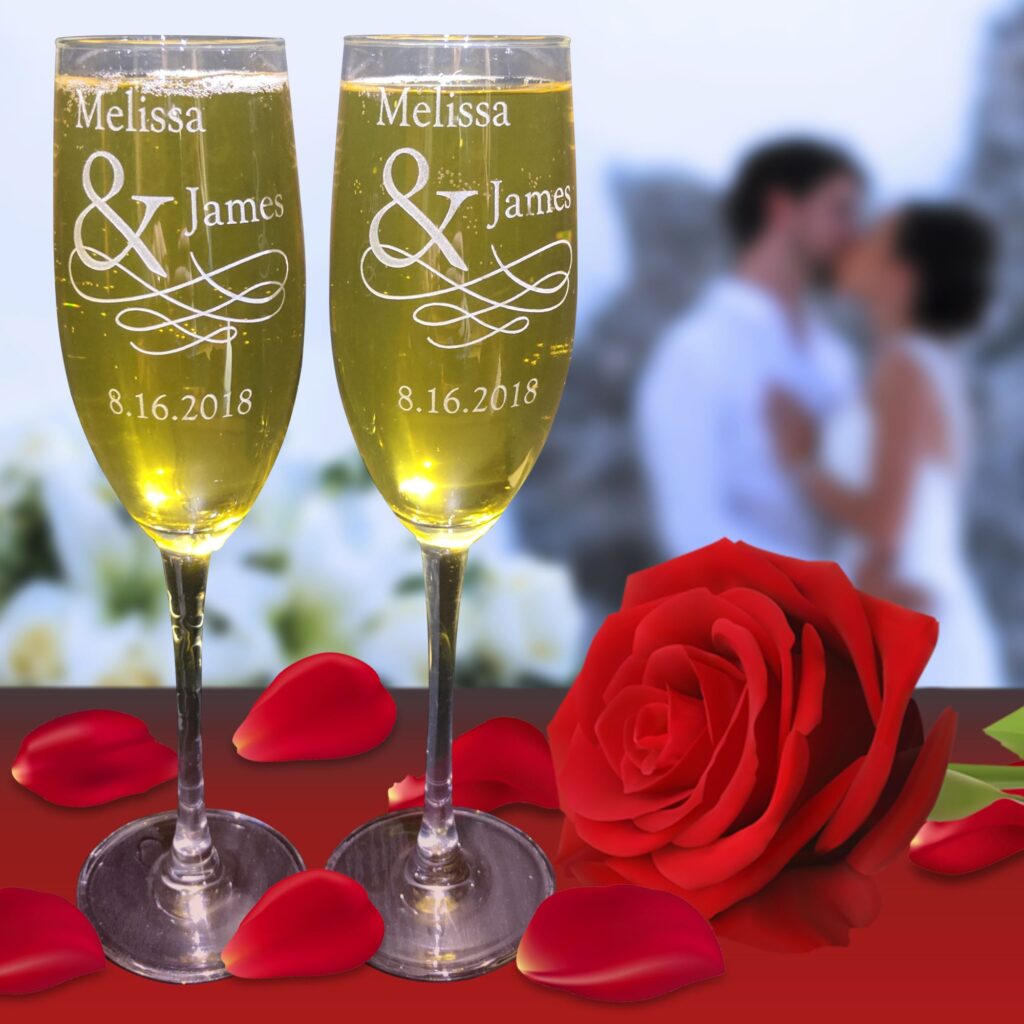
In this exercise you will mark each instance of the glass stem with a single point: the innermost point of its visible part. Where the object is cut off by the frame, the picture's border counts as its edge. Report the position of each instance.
(193, 860)
(438, 859)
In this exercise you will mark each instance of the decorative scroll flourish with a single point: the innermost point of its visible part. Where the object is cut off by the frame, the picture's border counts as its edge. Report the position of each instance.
(214, 322)
(204, 307)
(493, 316)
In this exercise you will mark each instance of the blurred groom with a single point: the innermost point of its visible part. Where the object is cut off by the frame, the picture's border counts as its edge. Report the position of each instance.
(702, 401)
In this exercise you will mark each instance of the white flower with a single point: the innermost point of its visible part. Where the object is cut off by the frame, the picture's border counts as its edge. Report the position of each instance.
(95, 541)
(35, 452)
(270, 525)
(314, 568)
(395, 644)
(33, 636)
(520, 617)
(246, 654)
(523, 618)
(97, 546)
(132, 651)
(342, 571)
(49, 635)
(239, 644)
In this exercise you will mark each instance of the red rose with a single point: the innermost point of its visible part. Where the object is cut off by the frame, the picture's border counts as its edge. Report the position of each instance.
(740, 711)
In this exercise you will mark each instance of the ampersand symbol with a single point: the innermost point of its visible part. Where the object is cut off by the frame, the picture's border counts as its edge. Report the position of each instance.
(92, 257)
(435, 232)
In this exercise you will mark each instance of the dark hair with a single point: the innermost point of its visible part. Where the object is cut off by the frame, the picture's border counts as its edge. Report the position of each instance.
(795, 166)
(951, 251)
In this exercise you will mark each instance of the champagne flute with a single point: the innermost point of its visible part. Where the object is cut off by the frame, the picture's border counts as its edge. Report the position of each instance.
(453, 295)
(180, 300)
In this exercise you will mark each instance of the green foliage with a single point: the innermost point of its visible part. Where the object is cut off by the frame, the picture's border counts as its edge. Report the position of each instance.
(128, 591)
(1002, 776)
(27, 550)
(345, 474)
(1009, 731)
(969, 788)
(963, 795)
(267, 561)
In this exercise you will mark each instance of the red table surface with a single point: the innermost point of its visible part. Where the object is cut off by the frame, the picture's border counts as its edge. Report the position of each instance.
(941, 950)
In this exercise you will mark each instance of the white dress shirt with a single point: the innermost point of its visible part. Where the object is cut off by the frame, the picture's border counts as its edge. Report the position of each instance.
(701, 420)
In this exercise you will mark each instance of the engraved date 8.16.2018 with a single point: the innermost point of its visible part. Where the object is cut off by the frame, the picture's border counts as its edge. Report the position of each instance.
(190, 407)
(439, 401)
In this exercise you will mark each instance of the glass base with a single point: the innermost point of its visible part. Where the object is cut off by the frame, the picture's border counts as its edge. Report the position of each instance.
(435, 933)
(177, 934)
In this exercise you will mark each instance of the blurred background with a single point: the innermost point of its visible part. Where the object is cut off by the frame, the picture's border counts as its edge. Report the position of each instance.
(928, 100)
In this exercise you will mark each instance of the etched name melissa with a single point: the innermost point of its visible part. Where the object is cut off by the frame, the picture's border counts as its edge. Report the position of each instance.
(442, 112)
(134, 114)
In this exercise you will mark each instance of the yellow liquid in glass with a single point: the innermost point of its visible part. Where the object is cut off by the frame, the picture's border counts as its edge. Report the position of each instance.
(180, 289)
(453, 289)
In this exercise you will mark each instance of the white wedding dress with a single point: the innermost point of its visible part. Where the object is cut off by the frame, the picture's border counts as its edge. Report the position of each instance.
(932, 554)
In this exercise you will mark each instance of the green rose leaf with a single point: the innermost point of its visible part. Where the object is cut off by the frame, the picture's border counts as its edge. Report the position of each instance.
(963, 795)
(1002, 776)
(1009, 731)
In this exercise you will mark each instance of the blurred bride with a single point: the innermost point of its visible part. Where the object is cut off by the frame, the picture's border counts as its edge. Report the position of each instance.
(892, 470)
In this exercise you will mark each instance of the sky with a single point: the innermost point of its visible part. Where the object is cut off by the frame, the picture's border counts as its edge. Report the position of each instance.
(657, 85)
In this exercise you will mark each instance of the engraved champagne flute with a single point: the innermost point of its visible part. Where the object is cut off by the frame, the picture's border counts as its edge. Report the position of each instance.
(180, 299)
(453, 295)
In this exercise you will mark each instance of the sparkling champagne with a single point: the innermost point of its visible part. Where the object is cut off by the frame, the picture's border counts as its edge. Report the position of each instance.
(453, 288)
(180, 288)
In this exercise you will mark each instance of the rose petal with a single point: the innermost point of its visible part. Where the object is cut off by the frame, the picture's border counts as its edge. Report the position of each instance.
(669, 668)
(502, 761)
(721, 684)
(92, 757)
(782, 640)
(44, 941)
(905, 641)
(836, 599)
(619, 943)
(973, 843)
(324, 706)
(717, 860)
(803, 909)
(588, 866)
(720, 808)
(307, 925)
(728, 564)
(893, 834)
(620, 838)
(811, 700)
(612, 644)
